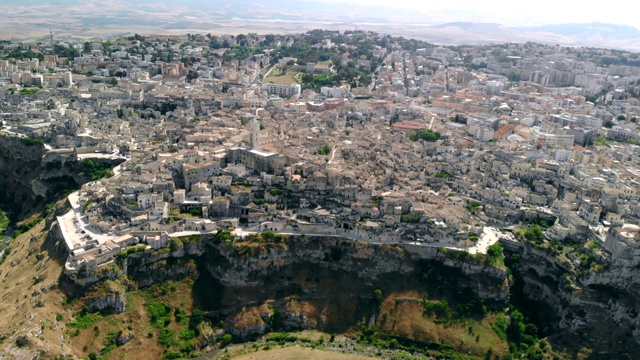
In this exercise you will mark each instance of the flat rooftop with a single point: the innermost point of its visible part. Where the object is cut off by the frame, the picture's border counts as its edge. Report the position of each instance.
(262, 153)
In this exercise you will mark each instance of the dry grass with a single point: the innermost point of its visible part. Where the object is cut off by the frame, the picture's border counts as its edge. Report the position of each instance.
(250, 316)
(32, 306)
(29, 298)
(406, 319)
(298, 353)
(276, 77)
(135, 320)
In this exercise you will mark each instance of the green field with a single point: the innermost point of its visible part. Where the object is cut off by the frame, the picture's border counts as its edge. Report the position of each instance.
(277, 77)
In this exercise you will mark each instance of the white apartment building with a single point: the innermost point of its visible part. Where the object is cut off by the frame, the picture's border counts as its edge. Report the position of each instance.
(282, 90)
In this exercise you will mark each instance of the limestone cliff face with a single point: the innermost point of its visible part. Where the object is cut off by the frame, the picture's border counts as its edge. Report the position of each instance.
(598, 308)
(147, 267)
(326, 283)
(20, 164)
(173, 263)
(108, 296)
(27, 183)
(299, 283)
(613, 294)
(242, 266)
(254, 266)
(112, 301)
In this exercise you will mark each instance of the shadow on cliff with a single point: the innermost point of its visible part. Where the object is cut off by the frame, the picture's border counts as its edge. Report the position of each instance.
(545, 299)
(321, 283)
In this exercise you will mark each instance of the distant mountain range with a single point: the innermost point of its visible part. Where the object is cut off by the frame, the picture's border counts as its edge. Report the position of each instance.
(83, 19)
(595, 29)
(588, 34)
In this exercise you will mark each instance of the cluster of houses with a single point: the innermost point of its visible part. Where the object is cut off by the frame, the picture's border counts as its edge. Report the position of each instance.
(210, 146)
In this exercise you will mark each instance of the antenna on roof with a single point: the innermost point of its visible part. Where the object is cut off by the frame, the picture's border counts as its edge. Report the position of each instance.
(50, 36)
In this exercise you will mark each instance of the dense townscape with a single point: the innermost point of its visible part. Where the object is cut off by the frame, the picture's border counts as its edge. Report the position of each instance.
(350, 134)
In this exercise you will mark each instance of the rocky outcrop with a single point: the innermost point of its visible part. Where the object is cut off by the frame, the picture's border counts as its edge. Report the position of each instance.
(308, 281)
(328, 284)
(124, 338)
(87, 277)
(164, 270)
(107, 297)
(148, 267)
(251, 266)
(299, 283)
(114, 302)
(27, 184)
(599, 307)
(21, 163)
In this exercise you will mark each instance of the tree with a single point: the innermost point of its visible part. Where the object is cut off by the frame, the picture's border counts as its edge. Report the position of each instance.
(592, 98)
(426, 135)
(494, 252)
(608, 124)
(268, 235)
(534, 233)
(622, 117)
(192, 75)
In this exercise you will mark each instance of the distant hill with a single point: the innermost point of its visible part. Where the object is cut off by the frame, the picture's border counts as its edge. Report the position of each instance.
(596, 29)
(476, 27)
(459, 24)
(81, 20)
(491, 30)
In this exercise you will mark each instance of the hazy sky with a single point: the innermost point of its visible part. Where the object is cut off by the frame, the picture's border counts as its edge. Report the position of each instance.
(516, 13)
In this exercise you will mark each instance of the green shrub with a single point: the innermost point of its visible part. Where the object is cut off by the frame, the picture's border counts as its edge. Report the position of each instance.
(195, 212)
(500, 327)
(281, 338)
(378, 295)
(83, 321)
(226, 339)
(426, 135)
(473, 207)
(494, 253)
(324, 150)
(28, 91)
(410, 218)
(187, 334)
(32, 142)
(167, 337)
(95, 170)
(159, 313)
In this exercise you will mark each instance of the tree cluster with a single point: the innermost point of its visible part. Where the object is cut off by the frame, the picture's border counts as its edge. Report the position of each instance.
(426, 135)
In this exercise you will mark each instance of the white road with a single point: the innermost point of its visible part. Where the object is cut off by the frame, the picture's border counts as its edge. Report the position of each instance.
(74, 224)
(333, 155)
(99, 156)
(488, 237)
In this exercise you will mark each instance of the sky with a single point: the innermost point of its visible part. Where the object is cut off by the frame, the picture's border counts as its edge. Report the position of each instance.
(516, 13)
